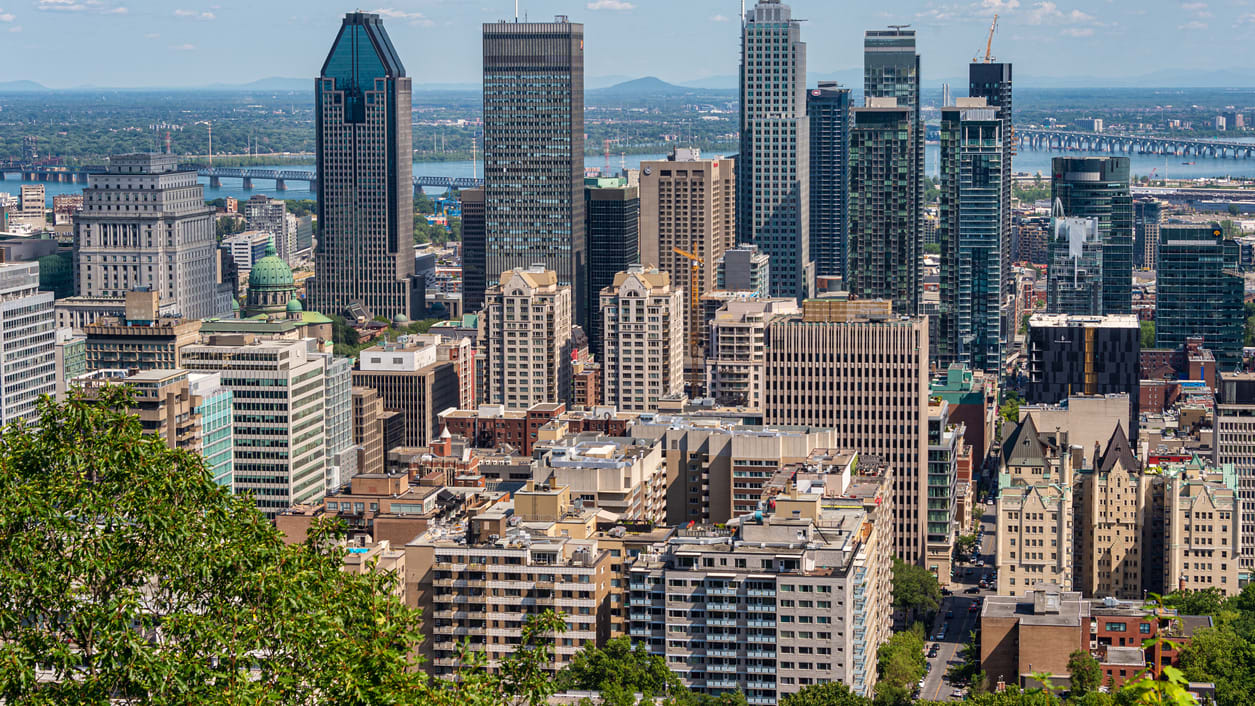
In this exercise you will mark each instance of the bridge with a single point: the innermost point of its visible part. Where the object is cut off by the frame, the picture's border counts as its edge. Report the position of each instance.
(1065, 141)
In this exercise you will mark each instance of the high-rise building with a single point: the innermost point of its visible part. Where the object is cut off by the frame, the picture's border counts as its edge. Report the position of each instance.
(1098, 187)
(534, 152)
(688, 222)
(217, 425)
(891, 69)
(338, 420)
(866, 377)
(1147, 217)
(971, 234)
(277, 392)
(885, 240)
(1074, 272)
(144, 224)
(1199, 291)
(945, 445)
(161, 399)
(1235, 428)
(743, 269)
(1034, 510)
(828, 108)
(367, 416)
(271, 216)
(71, 357)
(141, 339)
(29, 338)
(474, 273)
(773, 167)
(642, 359)
(992, 81)
(612, 211)
(527, 339)
(738, 352)
(362, 115)
(411, 379)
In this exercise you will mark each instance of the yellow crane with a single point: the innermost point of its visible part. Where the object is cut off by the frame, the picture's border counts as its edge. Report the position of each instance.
(694, 273)
(989, 43)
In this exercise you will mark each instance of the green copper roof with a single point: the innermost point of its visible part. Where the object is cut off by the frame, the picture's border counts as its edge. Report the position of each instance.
(294, 306)
(270, 272)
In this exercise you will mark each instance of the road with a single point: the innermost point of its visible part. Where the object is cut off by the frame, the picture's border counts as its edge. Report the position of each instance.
(964, 622)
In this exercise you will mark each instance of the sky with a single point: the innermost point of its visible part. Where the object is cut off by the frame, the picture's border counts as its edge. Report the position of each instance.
(142, 43)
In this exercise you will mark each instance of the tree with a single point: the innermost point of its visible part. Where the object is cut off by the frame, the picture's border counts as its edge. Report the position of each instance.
(1207, 601)
(1085, 672)
(827, 694)
(1148, 334)
(621, 667)
(966, 543)
(915, 589)
(1010, 409)
(900, 664)
(1250, 323)
(1222, 656)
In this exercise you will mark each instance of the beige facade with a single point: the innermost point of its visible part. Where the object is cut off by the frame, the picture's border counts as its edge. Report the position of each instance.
(643, 337)
(527, 339)
(416, 378)
(1110, 514)
(1034, 538)
(367, 421)
(866, 378)
(1202, 541)
(164, 402)
(737, 354)
(617, 476)
(1235, 445)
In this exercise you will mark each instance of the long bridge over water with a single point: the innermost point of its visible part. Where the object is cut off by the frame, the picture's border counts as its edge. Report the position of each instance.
(281, 177)
(1066, 140)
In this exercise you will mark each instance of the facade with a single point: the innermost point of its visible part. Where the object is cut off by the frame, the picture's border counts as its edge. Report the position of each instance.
(534, 152)
(735, 364)
(622, 477)
(971, 234)
(277, 391)
(527, 339)
(338, 420)
(71, 359)
(362, 115)
(992, 81)
(28, 334)
(144, 224)
(773, 166)
(271, 216)
(828, 108)
(612, 212)
(688, 223)
(475, 276)
(141, 339)
(1074, 273)
(1112, 511)
(217, 425)
(1200, 527)
(1199, 291)
(411, 379)
(1034, 510)
(797, 597)
(247, 248)
(743, 269)
(1147, 218)
(867, 379)
(945, 446)
(642, 357)
(1098, 187)
(367, 424)
(1235, 446)
(885, 236)
(163, 402)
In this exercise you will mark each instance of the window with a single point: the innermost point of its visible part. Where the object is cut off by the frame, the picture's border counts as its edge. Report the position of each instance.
(1144, 628)
(1116, 627)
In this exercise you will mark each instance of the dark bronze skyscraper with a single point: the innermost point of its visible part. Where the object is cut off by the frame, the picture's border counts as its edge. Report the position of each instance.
(365, 254)
(534, 152)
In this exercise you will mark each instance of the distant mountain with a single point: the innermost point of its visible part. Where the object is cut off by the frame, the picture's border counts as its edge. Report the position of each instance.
(22, 87)
(650, 86)
(273, 83)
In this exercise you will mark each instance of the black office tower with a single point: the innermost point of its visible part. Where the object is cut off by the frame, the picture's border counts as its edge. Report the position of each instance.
(828, 108)
(1084, 355)
(534, 151)
(612, 210)
(1098, 187)
(474, 274)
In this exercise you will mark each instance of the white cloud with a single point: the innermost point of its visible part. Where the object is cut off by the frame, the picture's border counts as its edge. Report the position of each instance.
(193, 14)
(1193, 25)
(1079, 31)
(7, 16)
(990, 6)
(720, 18)
(96, 6)
(1193, 6)
(183, 47)
(1049, 13)
(417, 18)
(611, 5)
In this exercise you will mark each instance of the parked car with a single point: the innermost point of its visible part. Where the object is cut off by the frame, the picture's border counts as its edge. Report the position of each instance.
(972, 589)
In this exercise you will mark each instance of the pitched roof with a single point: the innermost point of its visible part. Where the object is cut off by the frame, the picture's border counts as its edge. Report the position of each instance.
(1117, 451)
(1024, 446)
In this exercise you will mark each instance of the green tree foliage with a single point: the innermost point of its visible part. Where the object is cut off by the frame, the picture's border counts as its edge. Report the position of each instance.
(1010, 408)
(301, 207)
(900, 664)
(619, 670)
(1250, 323)
(1207, 601)
(932, 248)
(1148, 334)
(968, 671)
(229, 225)
(915, 589)
(1030, 193)
(965, 543)
(1085, 672)
(827, 694)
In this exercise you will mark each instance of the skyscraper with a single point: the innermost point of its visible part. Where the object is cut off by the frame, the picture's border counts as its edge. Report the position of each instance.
(884, 247)
(474, 275)
(1074, 269)
(534, 152)
(612, 210)
(642, 298)
(992, 81)
(526, 341)
(773, 168)
(29, 338)
(365, 255)
(891, 69)
(970, 230)
(1098, 187)
(1199, 291)
(828, 108)
(1147, 217)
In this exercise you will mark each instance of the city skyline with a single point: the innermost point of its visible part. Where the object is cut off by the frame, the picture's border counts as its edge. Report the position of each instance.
(1049, 39)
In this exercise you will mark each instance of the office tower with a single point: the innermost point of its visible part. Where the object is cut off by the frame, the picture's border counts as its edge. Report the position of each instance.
(214, 404)
(29, 337)
(534, 152)
(1235, 427)
(642, 359)
(368, 412)
(773, 167)
(1147, 218)
(362, 115)
(474, 272)
(743, 269)
(338, 420)
(945, 446)
(32, 204)
(688, 222)
(277, 393)
(1084, 355)
(527, 339)
(1034, 510)
(884, 234)
(612, 211)
(992, 81)
(248, 248)
(971, 234)
(141, 339)
(411, 379)
(1098, 187)
(1199, 291)
(808, 581)
(1074, 270)
(738, 353)
(891, 69)
(271, 216)
(865, 376)
(162, 400)
(828, 108)
(162, 240)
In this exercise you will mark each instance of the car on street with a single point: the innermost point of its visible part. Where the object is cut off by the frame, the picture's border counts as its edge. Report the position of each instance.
(947, 592)
(973, 589)
(956, 694)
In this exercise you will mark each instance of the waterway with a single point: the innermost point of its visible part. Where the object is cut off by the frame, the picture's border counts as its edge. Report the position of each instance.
(1027, 161)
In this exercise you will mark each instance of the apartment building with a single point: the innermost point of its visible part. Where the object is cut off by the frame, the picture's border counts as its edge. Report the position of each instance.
(737, 355)
(527, 339)
(1201, 527)
(140, 339)
(945, 446)
(163, 400)
(643, 337)
(1111, 503)
(28, 336)
(1235, 445)
(622, 477)
(1034, 511)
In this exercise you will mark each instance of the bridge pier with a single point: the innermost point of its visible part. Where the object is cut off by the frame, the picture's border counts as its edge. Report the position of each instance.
(313, 185)
(1, 176)
(280, 185)
(215, 182)
(248, 183)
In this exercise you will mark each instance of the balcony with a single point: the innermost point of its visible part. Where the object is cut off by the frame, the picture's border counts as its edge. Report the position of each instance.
(720, 653)
(721, 684)
(720, 591)
(770, 639)
(756, 669)
(768, 592)
(761, 607)
(726, 668)
(761, 685)
(760, 654)
(758, 623)
(722, 622)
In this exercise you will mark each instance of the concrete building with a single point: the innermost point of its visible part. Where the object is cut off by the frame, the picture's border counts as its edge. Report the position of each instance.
(642, 358)
(32, 205)
(214, 406)
(773, 165)
(1199, 291)
(141, 339)
(737, 357)
(163, 402)
(866, 378)
(367, 424)
(1034, 511)
(278, 390)
(1098, 187)
(1111, 502)
(527, 339)
(622, 477)
(612, 211)
(248, 248)
(338, 420)
(362, 113)
(688, 210)
(743, 269)
(945, 446)
(144, 223)
(534, 152)
(268, 215)
(71, 359)
(1235, 446)
(828, 108)
(792, 598)
(411, 379)
(28, 335)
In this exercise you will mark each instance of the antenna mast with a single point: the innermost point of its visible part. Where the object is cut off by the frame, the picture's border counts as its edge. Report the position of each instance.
(516, 11)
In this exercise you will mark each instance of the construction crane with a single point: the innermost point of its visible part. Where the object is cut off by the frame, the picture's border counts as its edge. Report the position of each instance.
(694, 273)
(989, 43)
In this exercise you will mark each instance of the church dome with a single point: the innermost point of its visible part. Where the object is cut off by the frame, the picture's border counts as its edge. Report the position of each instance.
(294, 307)
(270, 272)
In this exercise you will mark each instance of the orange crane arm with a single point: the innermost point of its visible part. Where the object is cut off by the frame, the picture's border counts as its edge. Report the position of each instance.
(989, 43)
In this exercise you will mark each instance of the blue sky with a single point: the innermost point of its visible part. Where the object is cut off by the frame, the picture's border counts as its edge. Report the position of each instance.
(63, 43)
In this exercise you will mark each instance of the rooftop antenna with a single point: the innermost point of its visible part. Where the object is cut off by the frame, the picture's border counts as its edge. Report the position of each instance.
(516, 11)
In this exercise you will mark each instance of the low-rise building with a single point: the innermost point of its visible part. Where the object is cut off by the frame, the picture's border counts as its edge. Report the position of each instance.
(625, 479)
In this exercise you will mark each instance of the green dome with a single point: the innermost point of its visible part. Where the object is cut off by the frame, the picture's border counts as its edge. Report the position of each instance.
(294, 306)
(270, 272)
(235, 304)
(400, 319)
